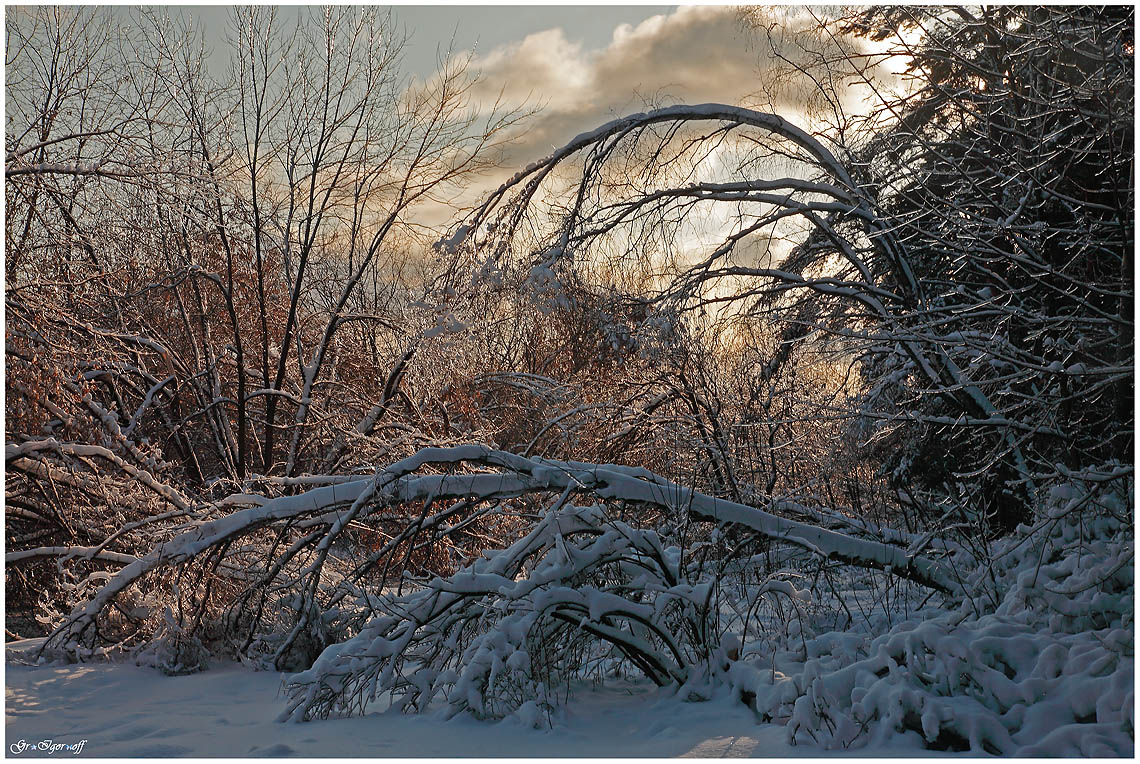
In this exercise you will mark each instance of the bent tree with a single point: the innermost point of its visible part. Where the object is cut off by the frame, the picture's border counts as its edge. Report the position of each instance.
(929, 253)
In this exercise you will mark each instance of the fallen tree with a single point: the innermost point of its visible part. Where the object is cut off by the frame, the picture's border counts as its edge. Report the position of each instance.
(316, 519)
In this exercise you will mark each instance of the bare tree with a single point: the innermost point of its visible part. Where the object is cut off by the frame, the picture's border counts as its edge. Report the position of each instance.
(182, 237)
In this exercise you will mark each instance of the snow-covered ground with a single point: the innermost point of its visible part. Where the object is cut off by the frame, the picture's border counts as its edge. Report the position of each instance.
(123, 710)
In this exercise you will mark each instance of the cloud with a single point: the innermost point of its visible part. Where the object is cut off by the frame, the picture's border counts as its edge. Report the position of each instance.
(698, 53)
(695, 54)
(544, 66)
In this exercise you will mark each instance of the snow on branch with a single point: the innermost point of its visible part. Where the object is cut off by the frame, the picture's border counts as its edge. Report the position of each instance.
(511, 476)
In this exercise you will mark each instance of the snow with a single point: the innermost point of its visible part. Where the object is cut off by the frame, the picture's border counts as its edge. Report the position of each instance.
(123, 710)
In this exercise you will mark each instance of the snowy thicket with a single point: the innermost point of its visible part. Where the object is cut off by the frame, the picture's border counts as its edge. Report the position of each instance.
(1029, 645)
(833, 419)
(1038, 661)
(583, 593)
(1037, 658)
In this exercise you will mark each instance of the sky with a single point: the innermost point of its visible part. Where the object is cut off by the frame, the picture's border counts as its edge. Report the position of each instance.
(468, 27)
(581, 65)
(485, 28)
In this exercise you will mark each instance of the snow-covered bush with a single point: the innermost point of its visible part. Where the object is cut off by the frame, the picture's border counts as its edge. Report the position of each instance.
(173, 650)
(1038, 661)
(583, 595)
(1020, 645)
(588, 590)
(580, 594)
